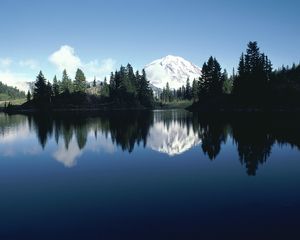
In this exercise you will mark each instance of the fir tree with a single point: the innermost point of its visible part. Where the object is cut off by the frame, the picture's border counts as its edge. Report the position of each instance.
(66, 83)
(40, 93)
(188, 90)
(254, 73)
(80, 81)
(195, 90)
(28, 96)
(55, 86)
(211, 82)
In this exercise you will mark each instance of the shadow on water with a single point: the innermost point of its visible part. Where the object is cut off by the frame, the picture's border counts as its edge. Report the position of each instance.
(253, 135)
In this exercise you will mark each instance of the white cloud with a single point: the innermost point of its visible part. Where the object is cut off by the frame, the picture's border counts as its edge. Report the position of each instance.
(21, 81)
(66, 58)
(18, 133)
(102, 143)
(5, 62)
(67, 156)
(30, 63)
(99, 69)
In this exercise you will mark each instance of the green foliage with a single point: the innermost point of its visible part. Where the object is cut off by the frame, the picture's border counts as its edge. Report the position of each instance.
(9, 93)
(28, 96)
(144, 92)
(55, 86)
(167, 95)
(211, 82)
(127, 87)
(188, 90)
(42, 90)
(66, 83)
(254, 73)
(80, 84)
(104, 92)
(227, 82)
(195, 88)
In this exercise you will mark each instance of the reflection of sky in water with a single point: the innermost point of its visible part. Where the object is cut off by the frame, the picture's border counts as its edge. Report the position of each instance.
(68, 156)
(95, 178)
(171, 139)
(160, 134)
(19, 139)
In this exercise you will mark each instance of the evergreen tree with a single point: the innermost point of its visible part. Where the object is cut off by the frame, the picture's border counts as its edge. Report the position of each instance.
(168, 93)
(105, 89)
(145, 94)
(49, 91)
(80, 81)
(66, 83)
(40, 94)
(55, 86)
(188, 90)
(211, 82)
(128, 88)
(195, 90)
(227, 82)
(254, 73)
(28, 96)
(94, 82)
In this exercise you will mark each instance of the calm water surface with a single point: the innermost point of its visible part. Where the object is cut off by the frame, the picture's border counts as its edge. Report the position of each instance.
(149, 175)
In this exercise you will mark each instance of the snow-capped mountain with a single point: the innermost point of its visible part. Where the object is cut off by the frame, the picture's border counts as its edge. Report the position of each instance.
(173, 139)
(172, 69)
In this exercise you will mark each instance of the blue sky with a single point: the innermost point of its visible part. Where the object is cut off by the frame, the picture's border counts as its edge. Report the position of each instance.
(101, 35)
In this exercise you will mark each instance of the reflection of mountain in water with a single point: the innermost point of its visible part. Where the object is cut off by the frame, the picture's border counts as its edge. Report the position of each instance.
(170, 134)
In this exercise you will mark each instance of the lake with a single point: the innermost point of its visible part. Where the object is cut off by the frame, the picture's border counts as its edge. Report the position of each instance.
(149, 175)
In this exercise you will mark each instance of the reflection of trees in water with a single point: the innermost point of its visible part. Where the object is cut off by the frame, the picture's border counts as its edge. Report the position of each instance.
(254, 141)
(125, 129)
(254, 135)
(212, 132)
(10, 121)
(130, 128)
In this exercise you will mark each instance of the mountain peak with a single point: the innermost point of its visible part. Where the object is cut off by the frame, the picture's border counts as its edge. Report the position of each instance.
(172, 69)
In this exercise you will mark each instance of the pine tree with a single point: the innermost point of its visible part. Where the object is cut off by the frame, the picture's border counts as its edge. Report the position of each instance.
(105, 89)
(49, 91)
(28, 96)
(168, 93)
(145, 94)
(55, 86)
(40, 89)
(195, 90)
(228, 82)
(188, 90)
(254, 73)
(80, 81)
(66, 83)
(211, 82)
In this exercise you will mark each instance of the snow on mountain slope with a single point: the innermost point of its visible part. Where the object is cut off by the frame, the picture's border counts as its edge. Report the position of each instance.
(172, 69)
(173, 139)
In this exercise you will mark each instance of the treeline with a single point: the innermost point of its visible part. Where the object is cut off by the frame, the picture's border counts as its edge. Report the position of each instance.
(129, 87)
(124, 130)
(254, 143)
(10, 93)
(125, 88)
(255, 85)
(213, 82)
